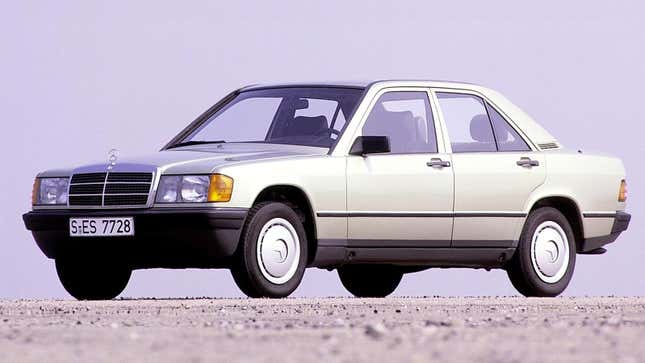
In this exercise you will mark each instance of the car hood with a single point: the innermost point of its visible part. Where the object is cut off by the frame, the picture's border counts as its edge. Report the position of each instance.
(201, 159)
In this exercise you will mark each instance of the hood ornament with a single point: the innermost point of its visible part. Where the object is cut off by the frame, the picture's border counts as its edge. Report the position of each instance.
(113, 156)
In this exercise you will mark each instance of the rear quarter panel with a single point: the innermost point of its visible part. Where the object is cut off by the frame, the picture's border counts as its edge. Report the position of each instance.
(591, 181)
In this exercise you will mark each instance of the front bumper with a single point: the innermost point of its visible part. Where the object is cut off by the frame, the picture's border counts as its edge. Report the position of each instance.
(621, 222)
(164, 237)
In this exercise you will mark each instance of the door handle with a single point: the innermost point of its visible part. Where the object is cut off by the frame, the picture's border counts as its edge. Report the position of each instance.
(527, 162)
(438, 163)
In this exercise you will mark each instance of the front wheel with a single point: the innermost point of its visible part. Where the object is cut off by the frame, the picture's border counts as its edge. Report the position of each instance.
(370, 280)
(272, 255)
(546, 255)
(92, 280)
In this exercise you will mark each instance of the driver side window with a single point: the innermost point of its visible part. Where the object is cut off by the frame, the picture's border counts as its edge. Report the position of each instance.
(405, 117)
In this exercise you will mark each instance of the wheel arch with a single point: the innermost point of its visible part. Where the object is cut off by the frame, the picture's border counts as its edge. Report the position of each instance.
(571, 211)
(299, 200)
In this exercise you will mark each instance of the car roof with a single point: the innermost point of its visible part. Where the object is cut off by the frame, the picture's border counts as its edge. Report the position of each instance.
(356, 83)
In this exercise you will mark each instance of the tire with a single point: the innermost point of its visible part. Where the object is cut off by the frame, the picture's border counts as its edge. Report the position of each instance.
(370, 280)
(272, 255)
(91, 280)
(543, 263)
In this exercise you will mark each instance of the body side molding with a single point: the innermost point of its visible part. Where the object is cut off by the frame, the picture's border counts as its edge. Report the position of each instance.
(599, 214)
(412, 214)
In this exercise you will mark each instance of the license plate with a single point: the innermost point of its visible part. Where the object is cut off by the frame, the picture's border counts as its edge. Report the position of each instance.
(101, 227)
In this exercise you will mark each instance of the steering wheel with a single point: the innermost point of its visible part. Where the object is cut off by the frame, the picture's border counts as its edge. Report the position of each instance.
(329, 131)
(324, 135)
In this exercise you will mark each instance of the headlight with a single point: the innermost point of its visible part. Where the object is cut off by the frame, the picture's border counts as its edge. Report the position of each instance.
(50, 191)
(194, 189)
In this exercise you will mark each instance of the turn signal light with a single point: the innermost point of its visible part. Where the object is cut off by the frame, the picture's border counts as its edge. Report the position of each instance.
(34, 191)
(220, 189)
(622, 193)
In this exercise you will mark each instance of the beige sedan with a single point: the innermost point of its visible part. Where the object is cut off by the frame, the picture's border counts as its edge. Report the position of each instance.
(374, 179)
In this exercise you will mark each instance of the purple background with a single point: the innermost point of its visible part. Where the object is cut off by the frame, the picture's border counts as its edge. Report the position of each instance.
(78, 78)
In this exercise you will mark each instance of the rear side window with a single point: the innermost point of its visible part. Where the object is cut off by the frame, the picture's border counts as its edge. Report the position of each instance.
(405, 117)
(507, 138)
(467, 121)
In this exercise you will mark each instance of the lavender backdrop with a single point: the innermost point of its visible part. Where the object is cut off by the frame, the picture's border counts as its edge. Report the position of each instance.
(78, 78)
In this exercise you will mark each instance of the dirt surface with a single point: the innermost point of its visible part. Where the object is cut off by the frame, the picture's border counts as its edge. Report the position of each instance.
(329, 329)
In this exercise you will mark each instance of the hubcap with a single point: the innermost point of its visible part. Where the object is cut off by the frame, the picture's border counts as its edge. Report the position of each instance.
(550, 252)
(278, 251)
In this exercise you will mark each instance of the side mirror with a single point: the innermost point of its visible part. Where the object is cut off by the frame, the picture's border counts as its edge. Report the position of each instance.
(364, 145)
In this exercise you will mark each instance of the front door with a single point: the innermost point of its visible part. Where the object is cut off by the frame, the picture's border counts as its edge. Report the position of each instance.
(403, 198)
(495, 171)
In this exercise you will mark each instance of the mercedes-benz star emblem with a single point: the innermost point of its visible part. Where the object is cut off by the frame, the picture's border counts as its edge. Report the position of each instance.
(113, 156)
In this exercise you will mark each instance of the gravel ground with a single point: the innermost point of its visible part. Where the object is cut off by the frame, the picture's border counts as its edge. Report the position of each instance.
(489, 329)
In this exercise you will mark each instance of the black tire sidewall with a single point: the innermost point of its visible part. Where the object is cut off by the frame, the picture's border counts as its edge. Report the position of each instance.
(94, 280)
(255, 280)
(532, 282)
(370, 280)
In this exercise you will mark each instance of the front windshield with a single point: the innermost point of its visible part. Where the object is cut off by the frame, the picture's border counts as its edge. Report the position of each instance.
(312, 116)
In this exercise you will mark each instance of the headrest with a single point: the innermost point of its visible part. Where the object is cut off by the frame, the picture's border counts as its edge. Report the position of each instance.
(304, 125)
(480, 129)
(383, 122)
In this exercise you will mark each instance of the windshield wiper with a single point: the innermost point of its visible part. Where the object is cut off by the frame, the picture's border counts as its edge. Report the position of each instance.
(195, 142)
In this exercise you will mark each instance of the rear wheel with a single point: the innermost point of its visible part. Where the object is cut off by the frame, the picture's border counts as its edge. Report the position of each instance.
(370, 280)
(92, 280)
(272, 256)
(546, 255)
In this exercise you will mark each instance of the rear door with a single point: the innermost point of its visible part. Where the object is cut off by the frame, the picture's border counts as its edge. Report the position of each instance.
(495, 170)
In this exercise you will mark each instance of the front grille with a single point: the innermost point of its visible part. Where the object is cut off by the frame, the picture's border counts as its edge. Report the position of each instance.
(125, 199)
(110, 189)
(88, 178)
(85, 200)
(79, 189)
(122, 188)
(130, 177)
